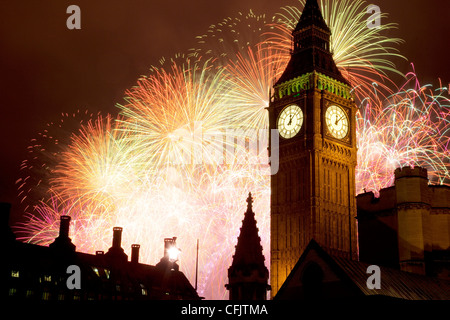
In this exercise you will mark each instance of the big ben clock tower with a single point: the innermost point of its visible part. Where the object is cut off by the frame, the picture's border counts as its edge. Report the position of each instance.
(313, 192)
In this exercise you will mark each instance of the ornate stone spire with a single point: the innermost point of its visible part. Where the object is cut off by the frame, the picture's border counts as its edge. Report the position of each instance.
(248, 249)
(248, 271)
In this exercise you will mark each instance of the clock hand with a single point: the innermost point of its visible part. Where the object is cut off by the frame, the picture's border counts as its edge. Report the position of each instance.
(290, 120)
(338, 120)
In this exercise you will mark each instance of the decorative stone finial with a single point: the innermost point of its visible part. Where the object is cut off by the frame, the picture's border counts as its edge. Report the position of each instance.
(249, 202)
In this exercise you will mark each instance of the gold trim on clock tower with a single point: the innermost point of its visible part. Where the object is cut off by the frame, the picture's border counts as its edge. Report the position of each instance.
(313, 192)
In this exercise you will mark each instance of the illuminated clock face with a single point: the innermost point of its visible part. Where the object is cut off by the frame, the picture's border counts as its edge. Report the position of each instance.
(337, 122)
(290, 121)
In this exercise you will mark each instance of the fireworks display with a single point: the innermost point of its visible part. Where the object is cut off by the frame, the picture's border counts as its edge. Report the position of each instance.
(188, 144)
(408, 128)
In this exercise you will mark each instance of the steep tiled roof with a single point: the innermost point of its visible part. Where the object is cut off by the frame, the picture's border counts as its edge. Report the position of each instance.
(396, 283)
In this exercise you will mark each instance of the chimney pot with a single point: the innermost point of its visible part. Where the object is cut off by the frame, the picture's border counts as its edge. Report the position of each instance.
(135, 253)
(64, 225)
(63, 242)
(169, 243)
(116, 252)
(117, 237)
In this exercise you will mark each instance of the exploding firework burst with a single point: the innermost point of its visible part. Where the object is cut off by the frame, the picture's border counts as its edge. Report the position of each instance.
(253, 74)
(44, 152)
(232, 35)
(43, 225)
(86, 176)
(141, 173)
(168, 113)
(409, 128)
(363, 55)
(255, 50)
(96, 164)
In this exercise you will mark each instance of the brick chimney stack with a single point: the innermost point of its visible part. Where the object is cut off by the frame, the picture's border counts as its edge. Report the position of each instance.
(63, 242)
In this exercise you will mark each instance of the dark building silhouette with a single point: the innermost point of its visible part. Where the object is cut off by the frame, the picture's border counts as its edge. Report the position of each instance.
(248, 276)
(320, 275)
(31, 272)
(408, 225)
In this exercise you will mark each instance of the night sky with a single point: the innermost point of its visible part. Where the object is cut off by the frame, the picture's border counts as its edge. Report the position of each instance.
(47, 69)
